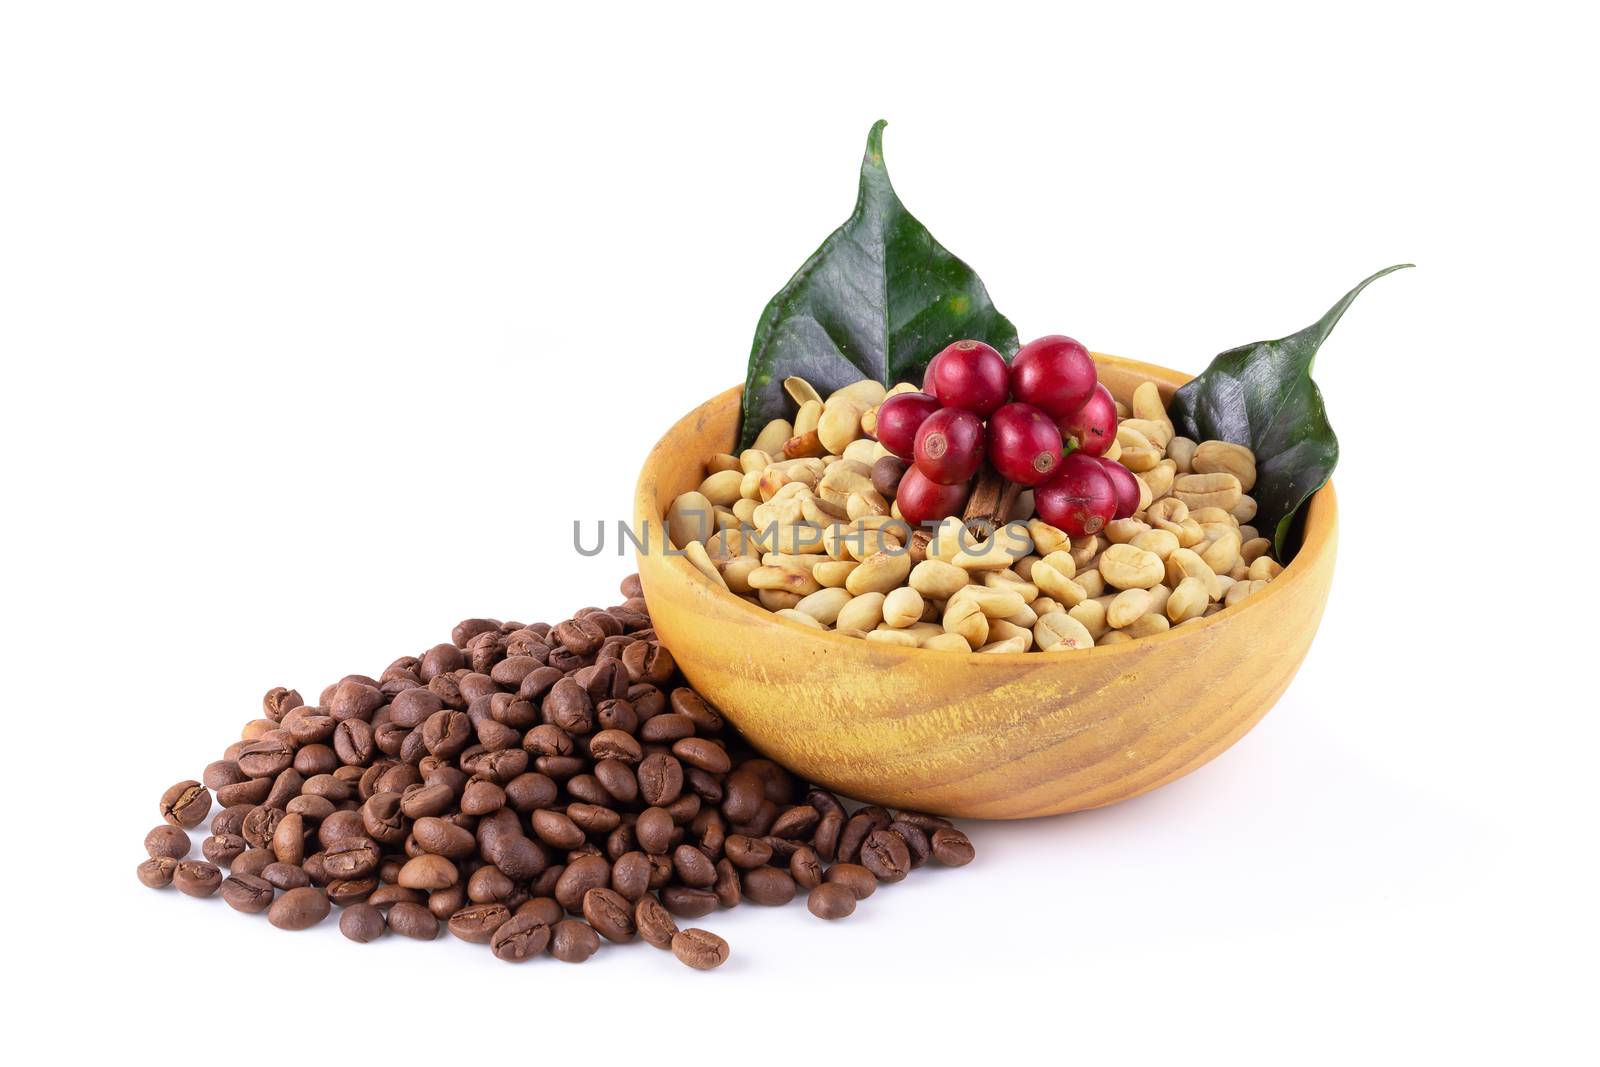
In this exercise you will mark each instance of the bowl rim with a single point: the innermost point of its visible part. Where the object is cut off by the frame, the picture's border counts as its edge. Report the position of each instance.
(1320, 526)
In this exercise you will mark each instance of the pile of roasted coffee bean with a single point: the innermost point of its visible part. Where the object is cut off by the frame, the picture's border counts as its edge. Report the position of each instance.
(534, 788)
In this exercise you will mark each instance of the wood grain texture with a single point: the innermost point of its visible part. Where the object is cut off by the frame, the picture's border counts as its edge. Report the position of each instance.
(976, 736)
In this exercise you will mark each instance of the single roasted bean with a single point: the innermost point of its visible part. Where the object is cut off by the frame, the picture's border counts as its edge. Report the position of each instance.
(688, 903)
(653, 922)
(285, 875)
(699, 949)
(413, 921)
(831, 900)
(167, 840)
(951, 847)
(520, 938)
(157, 872)
(693, 867)
(747, 851)
(805, 868)
(573, 941)
(857, 879)
(769, 886)
(916, 841)
(299, 909)
(247, 893)
(885, 854)
(610, 913)
(196, 878)
(222, 849)
(185, 805)
(478, 922)
(362, 923)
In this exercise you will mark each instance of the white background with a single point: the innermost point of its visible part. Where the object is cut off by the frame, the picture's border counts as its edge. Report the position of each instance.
(320, 323)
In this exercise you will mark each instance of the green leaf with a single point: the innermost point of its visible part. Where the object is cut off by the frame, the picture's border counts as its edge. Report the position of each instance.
(1261, 395)
(878, 300)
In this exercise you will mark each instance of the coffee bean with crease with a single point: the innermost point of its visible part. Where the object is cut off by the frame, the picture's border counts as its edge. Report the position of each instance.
(610, 913)
(185, 805)
(885, 854)
(520, 938)
(248, 893)
(477, 923)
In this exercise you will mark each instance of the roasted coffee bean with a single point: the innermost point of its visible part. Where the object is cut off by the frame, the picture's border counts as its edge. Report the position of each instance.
(289, 839)
(702, 753)
(413, 921)
(250, 792)
(556, 829)
(855, 832)
(385, 895)
(660, 779)
(805, 868)
(252, 861)
(299, 909)
(342, 826)
(618, 780)
(185, 805)
(230, 820)
(857, 879)
(279, 702)
(747, 851)
(826, 838)
(653, 922)
(582, 874)
(285, 787)
(796, 822)
(545, 908)
(345, 891)
(196, 878)
(951, 847)
(742, 797)
(352, 857)
(594, 818)
(688, 903)
(700, 949)
(768, 885)
(572, 941)
(630, 875)
(654, 830)
(481, 798)
(687, 702)
(520, 938)
(445, 902)
(285, 875)
(428, 872)
(665, 729)
(168, 841)
(610, 913)
(916, 842)
(884, 853)
(157, 871)
(247, 893)
(727, 887)
(222, 849)
(443, 838)
(693, 868)
(478, 922)
(362, 923)
(488, 884)
(222, 772)
(831, 900)
(313, 809)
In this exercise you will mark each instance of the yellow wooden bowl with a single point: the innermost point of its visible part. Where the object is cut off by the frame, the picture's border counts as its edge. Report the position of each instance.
(962, 734)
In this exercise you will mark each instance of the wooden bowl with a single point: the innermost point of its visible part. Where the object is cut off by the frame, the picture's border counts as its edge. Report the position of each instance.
(961, 734)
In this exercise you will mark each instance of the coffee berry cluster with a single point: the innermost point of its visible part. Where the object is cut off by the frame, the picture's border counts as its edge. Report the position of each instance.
(538, 789)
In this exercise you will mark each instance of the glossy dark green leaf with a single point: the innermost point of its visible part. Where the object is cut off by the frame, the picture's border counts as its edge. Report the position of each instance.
(1261, 395)
(878, 300)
